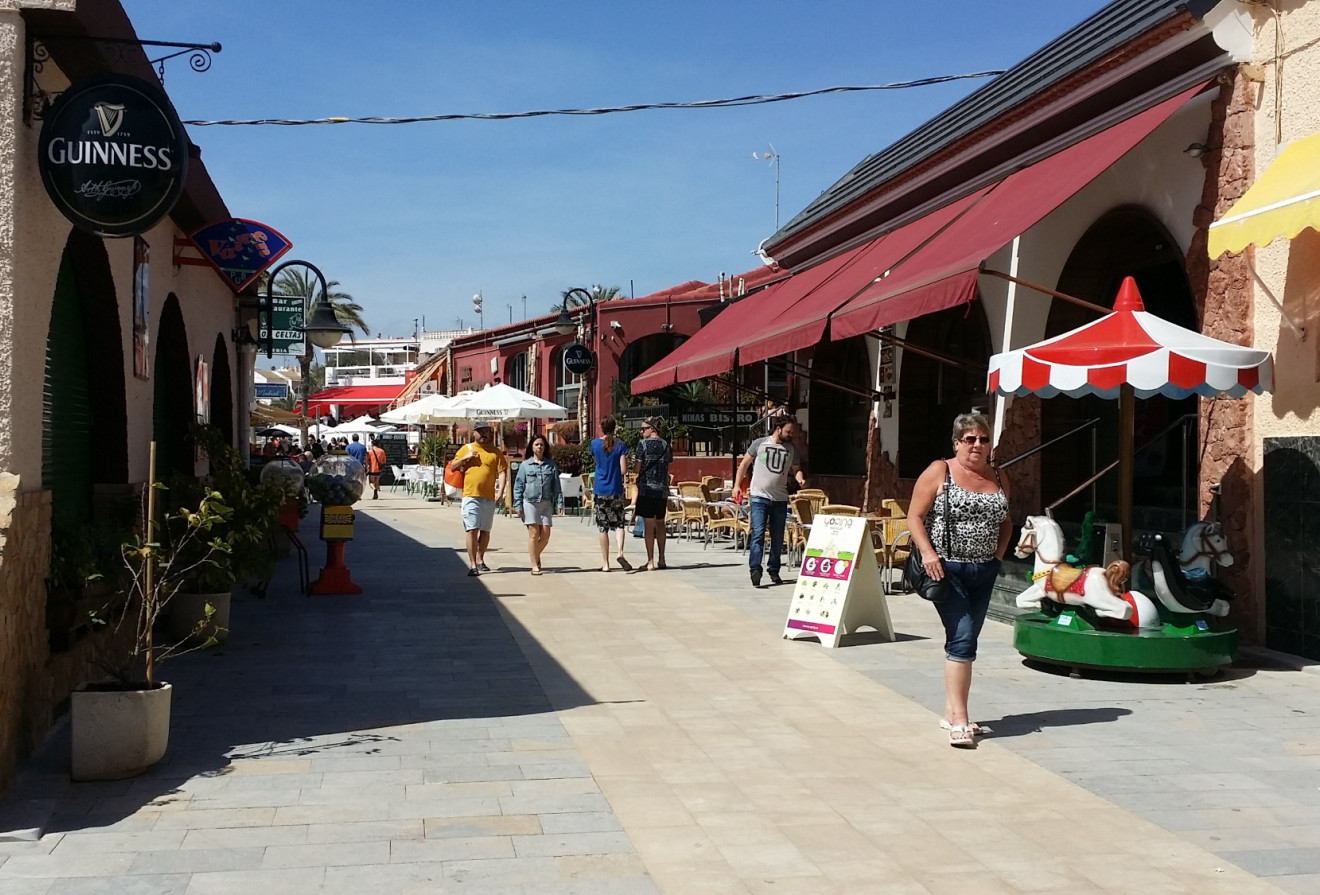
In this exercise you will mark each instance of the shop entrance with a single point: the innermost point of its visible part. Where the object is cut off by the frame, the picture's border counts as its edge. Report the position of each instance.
(1124, 242)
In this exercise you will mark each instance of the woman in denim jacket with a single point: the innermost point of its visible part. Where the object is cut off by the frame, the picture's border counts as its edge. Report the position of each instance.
(537, 496)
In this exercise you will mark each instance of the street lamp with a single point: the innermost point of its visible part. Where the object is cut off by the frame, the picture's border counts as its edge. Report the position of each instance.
(565, 325)
(320, 328)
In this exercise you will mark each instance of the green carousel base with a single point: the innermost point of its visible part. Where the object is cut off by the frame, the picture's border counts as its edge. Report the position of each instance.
(1187, 644)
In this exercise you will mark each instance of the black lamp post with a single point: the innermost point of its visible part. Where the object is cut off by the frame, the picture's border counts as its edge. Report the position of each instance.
(564, 324)
(321, 328)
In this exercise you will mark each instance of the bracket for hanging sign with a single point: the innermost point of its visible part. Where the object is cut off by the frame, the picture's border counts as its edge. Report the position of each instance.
(113, 50)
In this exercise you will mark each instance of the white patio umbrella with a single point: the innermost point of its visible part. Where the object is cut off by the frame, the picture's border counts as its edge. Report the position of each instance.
(418, 413)
(363, 425)
(501, 402)
(277, 429)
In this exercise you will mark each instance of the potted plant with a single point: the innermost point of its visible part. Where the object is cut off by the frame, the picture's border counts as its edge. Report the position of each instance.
(120, 726)
(199, 612)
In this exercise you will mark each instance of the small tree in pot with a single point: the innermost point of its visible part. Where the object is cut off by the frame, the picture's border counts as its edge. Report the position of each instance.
(120, 727)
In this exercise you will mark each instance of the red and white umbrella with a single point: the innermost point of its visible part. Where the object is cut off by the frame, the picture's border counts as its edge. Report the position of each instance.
(1128, 354)
(1136, 348)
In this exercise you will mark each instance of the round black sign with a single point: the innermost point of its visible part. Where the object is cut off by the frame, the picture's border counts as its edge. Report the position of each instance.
(113, 155)
(578, 359)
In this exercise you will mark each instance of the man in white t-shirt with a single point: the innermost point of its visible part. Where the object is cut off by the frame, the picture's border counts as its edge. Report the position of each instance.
(770, 461)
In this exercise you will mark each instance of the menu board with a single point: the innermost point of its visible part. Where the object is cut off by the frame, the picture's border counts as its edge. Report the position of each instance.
(395, 445)
(838, 585)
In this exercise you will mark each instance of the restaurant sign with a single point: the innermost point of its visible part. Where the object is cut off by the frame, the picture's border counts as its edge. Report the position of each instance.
(113, 155)
(282, 325)
(717, 417)
(578, 359)
(240, 249)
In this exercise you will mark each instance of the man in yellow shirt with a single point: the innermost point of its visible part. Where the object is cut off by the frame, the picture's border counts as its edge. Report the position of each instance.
(485, 473)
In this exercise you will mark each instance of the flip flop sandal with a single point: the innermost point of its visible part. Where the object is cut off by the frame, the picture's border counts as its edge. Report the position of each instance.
(624, 564)
(960, 737)
(536, 571)
(971, 725)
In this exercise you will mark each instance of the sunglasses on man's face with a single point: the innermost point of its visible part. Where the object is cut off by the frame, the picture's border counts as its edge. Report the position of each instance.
(975, 439)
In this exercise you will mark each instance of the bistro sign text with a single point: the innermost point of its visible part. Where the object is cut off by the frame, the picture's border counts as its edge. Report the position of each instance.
(113, 155)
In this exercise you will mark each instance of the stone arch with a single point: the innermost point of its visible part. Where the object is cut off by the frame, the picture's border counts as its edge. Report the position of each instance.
(932, 393)
(172, 404)
(84, 419)
(1127, 241)
(222, 394)
(839, 418)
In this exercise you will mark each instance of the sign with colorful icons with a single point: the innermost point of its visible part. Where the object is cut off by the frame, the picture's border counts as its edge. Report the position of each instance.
(838, 585)
(240, 249)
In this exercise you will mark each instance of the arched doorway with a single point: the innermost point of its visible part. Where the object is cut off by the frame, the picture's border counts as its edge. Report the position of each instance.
(84, 422)
(931, 393)
(838, 420)
(222, 396)
(639, 356)
(1127, 241)
(172, 404)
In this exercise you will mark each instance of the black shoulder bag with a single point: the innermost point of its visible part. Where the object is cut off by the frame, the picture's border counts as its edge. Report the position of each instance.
(914, 573)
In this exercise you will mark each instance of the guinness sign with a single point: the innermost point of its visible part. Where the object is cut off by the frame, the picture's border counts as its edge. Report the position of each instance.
(578, 359)
(113, 155)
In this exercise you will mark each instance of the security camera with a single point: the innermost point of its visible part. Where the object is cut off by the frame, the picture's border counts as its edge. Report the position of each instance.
(614, 324)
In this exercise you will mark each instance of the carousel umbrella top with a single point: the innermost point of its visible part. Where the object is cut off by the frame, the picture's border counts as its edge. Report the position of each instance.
(1131, 347)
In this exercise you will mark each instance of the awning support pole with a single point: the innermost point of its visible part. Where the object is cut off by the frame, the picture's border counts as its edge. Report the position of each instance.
(1036, 287)
(1010, 309)
(930, 353)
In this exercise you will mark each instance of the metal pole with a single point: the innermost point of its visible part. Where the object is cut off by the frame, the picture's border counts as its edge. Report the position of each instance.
(1182, 465)
(1010, 309)
(1127, 417)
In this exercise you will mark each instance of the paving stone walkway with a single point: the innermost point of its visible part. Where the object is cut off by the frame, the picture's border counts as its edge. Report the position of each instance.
(651, 732)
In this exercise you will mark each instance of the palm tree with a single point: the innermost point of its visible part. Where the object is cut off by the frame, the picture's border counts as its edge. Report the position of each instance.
(572, 298)
(294, 281)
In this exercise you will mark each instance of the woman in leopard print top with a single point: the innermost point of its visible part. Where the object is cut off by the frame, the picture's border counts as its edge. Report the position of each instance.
(969, 490)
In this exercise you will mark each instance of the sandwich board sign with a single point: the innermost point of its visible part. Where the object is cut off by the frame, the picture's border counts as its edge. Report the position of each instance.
(838, 585)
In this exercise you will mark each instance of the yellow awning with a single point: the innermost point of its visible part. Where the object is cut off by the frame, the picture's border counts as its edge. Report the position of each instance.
(1282, 202)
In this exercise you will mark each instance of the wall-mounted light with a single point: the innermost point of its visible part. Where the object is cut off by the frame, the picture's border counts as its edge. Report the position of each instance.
(1196, 150)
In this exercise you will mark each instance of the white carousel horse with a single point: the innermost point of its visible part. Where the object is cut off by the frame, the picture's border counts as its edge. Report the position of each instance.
(1055, 580)
(1204, 546)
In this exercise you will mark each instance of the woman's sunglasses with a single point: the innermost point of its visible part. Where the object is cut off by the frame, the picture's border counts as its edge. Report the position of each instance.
(974, 439)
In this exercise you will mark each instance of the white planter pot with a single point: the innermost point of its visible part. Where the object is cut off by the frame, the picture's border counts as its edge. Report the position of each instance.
(187, 611)
(118, 733)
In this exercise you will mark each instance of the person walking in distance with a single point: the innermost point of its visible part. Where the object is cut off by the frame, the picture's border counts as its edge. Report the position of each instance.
(537, 496)
(375, 466)
(485, 473)
(611, 456)
(770, 462)
(653, 458)
(357, 450)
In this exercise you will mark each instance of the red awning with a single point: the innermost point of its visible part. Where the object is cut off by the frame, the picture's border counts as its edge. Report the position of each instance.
(792, 314)
(818, 291)
(711, 351)
(943, 272)
(326, 398)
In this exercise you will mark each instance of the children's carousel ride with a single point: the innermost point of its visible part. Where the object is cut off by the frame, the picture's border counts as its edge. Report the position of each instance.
(1090, 617)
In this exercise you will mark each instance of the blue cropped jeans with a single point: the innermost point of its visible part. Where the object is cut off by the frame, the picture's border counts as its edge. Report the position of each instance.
(963, 611)
(772, 513)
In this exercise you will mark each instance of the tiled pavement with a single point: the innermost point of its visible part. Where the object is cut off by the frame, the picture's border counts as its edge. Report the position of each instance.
(588, 733)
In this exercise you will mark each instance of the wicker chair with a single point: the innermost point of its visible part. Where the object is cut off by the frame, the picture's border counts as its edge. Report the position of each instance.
(801, 513)
(588, 499)
(693, 506)
(896, 540)
(838, 509)
(715, 521)
(817, 497)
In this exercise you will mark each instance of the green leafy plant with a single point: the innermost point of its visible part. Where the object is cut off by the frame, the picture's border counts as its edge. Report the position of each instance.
(695, 392)
(568, 457)
(432, 449)
(159, 562)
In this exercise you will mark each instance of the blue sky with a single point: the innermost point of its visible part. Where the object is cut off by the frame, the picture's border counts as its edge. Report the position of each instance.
(414, 219)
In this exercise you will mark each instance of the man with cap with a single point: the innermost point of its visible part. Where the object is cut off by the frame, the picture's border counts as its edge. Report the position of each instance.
(485, 474)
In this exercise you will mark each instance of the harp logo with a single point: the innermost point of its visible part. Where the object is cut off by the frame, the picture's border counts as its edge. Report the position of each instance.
(111, 116)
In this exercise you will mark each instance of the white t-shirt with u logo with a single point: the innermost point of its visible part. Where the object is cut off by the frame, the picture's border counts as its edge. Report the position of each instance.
(770, 465)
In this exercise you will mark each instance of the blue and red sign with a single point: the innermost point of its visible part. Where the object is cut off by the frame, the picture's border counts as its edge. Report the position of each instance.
(240, 249)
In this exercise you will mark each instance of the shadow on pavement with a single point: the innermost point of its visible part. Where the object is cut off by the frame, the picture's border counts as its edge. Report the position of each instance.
(330, 676)
(1035, 722)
